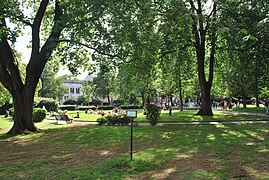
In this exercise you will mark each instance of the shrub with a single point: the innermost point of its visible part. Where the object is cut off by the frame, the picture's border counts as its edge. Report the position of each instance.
(95, 102)
(117, 102)
(123, 120)
(70, 102)
(39, 114)
(111, 120)
(49, 103)
(153, 114)
(5, 107)
(101, 121)
(114, 120)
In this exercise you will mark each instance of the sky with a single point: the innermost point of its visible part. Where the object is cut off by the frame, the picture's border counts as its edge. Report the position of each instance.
(21, 47)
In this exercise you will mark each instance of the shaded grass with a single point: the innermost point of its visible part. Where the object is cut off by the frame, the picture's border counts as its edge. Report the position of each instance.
(101, 152)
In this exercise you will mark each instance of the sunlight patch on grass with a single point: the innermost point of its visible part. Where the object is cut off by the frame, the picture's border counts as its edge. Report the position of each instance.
(211, 137)
(164, 173)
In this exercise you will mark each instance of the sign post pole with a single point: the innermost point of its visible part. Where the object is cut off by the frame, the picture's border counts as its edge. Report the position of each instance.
(131, 115)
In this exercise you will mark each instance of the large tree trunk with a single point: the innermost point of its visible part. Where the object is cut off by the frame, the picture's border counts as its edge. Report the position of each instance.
(244, 99)
(23, 108)
(23, 90)
(180, 97)
(205, 108)
(108, 99)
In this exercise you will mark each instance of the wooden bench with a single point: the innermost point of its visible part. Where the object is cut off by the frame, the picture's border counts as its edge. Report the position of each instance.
(61, 118)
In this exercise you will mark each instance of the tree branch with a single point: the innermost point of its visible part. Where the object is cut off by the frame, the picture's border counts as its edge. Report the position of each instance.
(36, 28)
(9, 71)
(95, 49)
(164, 53)
(39, 60)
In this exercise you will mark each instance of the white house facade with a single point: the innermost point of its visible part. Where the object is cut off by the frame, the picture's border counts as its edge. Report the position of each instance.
(74, 89)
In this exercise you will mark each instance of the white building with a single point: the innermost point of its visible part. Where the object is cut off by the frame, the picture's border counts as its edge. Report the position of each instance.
(74, 88)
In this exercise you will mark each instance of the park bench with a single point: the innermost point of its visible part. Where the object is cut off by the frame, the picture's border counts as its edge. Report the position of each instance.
(61, 118)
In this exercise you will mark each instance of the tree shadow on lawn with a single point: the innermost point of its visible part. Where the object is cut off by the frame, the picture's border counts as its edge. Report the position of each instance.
(221, 151)
(187, 151)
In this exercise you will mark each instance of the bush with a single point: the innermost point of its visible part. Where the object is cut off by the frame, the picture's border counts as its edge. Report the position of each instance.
(70, 102)
(117, 102)
(101, 121)
(39, 114)
(95, 102)
(4, 108)
(49, 103)
(153, 114)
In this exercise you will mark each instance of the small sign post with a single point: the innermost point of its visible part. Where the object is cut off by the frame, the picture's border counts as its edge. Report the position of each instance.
(131, 115)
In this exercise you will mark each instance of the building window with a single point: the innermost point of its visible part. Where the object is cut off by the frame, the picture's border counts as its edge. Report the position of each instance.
(66, 97)
(77, 90)
(72, 90)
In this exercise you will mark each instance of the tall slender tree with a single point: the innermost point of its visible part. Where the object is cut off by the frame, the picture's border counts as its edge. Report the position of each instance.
(204, 28)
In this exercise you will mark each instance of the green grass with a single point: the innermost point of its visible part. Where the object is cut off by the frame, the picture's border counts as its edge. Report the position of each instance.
(251, 109)
(166, 152)
(187, 115)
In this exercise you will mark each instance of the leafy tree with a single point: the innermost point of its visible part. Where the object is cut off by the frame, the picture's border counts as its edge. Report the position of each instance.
(87, 91)
(52, 86)
(246, 39)
(5, 96)
(47, 21)
(102, 83)
(204, 30)
(23, 91)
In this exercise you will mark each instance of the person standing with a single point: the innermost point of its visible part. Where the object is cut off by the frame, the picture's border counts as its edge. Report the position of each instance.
(170, 110)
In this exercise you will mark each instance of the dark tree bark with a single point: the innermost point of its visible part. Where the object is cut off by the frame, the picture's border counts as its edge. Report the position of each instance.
(180, 95)
(23, 93)
(244, 99)
(200, 30)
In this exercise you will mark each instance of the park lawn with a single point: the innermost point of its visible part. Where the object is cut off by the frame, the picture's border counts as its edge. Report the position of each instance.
(189, 115)
(164, 152)
(6, 124)
(251, 109)
(186, 115)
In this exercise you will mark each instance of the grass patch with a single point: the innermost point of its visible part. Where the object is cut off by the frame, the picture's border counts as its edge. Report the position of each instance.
(166, 152)
(251, 109)
(187, 115)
